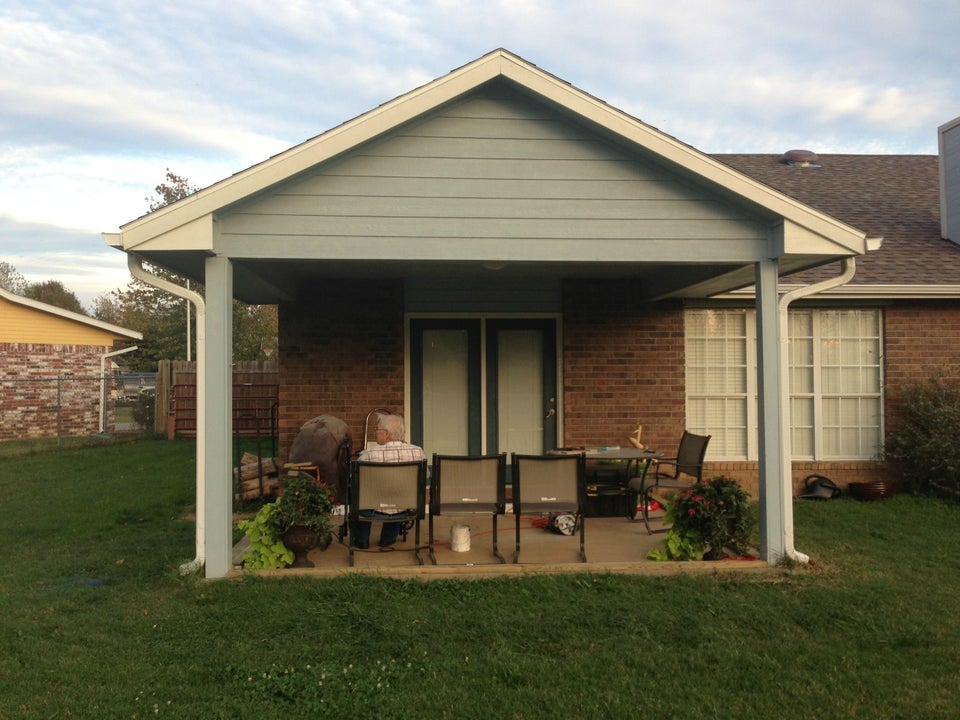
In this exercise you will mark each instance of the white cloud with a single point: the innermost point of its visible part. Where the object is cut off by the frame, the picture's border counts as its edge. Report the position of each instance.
(77, 258)
(98, 98)
(89, 192)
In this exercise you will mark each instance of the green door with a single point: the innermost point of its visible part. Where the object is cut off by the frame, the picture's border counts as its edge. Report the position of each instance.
(472, 375)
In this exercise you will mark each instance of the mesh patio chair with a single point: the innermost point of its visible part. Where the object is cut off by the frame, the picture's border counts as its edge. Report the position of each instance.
(467, 485)
(388, 492)
(548, 484)
(687, 468)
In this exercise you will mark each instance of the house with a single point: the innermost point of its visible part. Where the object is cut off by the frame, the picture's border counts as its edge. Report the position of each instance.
(896, 322)
(516, 265)
(52, 363)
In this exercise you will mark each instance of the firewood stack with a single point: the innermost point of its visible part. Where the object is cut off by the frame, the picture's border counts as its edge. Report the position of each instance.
(257, 474)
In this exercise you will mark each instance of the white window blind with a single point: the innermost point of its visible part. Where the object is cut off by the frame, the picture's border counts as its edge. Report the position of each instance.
(718, 376)
(836, 403)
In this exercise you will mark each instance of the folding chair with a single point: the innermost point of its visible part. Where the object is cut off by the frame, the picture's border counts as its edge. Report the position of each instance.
(467, 484)
(548, 484)
(388, 492)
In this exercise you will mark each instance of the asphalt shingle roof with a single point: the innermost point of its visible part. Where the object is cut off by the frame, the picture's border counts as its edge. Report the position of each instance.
(896, 197)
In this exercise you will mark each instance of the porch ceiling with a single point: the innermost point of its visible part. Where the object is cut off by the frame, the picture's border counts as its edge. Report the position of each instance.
(269, 281)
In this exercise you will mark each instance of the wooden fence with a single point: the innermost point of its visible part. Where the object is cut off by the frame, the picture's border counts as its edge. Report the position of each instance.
(255, 391)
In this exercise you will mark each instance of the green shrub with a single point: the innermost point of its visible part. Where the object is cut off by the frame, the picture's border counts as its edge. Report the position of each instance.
(927, 442)
(708, 518)
(266, 548)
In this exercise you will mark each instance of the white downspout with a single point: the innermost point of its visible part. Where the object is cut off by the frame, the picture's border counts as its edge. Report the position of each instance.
(103, 384)
(847, 271)
(137, 270)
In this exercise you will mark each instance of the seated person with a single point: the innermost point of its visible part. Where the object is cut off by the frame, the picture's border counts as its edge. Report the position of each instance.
(390, 448)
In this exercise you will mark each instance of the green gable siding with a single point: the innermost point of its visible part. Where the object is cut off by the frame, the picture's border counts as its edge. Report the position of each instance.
(493, 175)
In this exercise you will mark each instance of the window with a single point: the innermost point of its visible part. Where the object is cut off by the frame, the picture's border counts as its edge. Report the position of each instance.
(836, 403)
(720, 379)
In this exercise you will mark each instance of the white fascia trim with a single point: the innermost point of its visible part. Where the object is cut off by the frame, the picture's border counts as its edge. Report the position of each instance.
(414, 103)
(648, 137)
(311, 152)
(863, 292)
(68, 315)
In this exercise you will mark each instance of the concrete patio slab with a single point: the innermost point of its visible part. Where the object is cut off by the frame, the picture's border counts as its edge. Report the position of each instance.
(613, 545)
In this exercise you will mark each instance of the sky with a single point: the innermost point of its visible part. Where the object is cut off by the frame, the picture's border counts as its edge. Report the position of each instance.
(98, 99)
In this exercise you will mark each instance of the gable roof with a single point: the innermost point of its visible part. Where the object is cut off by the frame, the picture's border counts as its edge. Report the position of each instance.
(187, 224)
(893, 196)
(71, 316)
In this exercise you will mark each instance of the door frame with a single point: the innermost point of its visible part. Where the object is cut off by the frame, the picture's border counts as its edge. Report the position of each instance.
(414, 382)
(482, 318)
(551, 383)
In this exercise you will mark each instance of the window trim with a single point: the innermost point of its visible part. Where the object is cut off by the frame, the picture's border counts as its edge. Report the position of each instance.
(752, 412)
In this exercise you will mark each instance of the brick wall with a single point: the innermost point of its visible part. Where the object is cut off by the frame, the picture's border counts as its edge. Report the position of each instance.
(32, 402)
(623, 363)
(341, 354)
(922, 338)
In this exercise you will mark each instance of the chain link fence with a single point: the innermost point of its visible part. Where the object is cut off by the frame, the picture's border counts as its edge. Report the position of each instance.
(76, 405)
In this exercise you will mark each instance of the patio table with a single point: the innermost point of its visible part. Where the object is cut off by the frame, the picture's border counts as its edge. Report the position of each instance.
(612, 481)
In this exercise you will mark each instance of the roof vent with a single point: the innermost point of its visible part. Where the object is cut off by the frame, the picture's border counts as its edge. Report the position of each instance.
(800, 158)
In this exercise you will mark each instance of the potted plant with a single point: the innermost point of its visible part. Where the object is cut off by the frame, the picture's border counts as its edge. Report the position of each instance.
(708, 518)
(302, 517)
(284, 531)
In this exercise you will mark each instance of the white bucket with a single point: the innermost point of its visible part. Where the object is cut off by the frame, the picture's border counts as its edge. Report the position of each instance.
(460, 538)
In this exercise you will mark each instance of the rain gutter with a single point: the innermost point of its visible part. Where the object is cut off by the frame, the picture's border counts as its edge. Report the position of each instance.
(135, 264)
(848, 267)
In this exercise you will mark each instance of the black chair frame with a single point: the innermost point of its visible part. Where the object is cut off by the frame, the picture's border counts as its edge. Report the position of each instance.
(548, 503)
(357, 493)
(481, 500)
(689, 462)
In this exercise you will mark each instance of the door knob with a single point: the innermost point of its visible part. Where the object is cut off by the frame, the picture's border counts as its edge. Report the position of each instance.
(551, 412)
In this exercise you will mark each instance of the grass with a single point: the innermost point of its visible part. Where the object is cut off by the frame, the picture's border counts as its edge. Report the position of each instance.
(95, 621)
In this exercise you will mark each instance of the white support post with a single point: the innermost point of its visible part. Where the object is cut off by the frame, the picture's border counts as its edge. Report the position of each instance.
(218, 423)
(776, 509)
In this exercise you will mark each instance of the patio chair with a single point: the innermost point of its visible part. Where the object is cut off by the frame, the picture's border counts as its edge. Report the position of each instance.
(548, 484)
(467, 484)
(688, 462)
(388, 492)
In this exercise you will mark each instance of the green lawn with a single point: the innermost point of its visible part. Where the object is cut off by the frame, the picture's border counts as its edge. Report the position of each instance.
(95, 621)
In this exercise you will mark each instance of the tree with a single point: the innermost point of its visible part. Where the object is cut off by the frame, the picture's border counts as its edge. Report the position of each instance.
(175, 188)
(157, 314)
(108, 308)
(52, 292)
(254, 331)
(162, 317)
(10, 279)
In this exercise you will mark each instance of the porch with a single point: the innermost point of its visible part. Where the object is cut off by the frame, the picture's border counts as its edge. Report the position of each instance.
(496, 193)
(613, 545)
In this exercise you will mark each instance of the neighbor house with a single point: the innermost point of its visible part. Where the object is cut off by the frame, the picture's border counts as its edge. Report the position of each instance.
(515, 265)
(52, 363)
